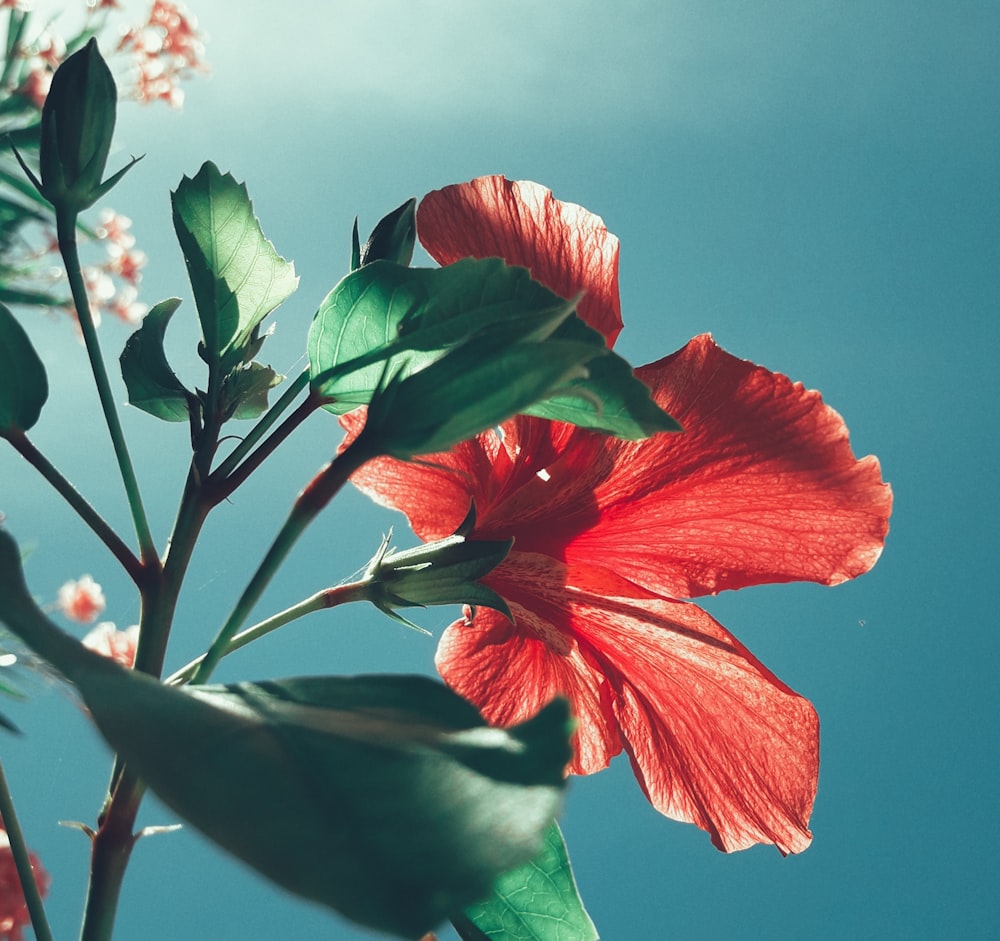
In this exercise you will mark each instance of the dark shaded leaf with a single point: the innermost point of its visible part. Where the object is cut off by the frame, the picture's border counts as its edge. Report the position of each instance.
(23, 384)
(151, 383)
(386, 798)
(609, 399)
(392, 239)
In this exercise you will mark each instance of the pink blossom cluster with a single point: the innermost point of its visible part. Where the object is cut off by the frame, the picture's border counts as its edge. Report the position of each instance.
(13, 909)
(82, 600)
(108, 641)
(167, 48)
(113, 285)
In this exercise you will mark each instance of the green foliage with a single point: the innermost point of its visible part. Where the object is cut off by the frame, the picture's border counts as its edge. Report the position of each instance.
(385, 320)
(476, 386)
(386, 798)
(609, 399)
(391, 240)
(535, 902)
(151, 383)
(23, 385)
(411, 316)
(237, 276)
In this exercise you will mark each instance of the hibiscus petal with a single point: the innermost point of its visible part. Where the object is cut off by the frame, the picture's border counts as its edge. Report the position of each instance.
(510, 671)
(714, 738)
(566, 248)
(435, 492)
(495, 470)
(761, 487)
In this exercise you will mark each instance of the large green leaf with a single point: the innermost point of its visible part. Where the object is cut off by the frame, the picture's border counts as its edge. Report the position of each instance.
(237, 276)
(386, 798)
(471, 388)
(535, 902)
(151, 383)
(23, 385)
(384, 310)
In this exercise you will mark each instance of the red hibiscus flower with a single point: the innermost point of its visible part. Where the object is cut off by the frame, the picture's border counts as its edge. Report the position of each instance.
(611, 536)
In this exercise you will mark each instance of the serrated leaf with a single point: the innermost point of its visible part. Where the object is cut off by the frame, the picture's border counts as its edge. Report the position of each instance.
(610, 399)
(151, 383)
(237, 276)
(538, 901)
(385, 310)
(244, 391)
(23, 384)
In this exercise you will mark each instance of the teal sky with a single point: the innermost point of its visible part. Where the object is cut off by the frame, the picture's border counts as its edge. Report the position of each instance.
(816, 184)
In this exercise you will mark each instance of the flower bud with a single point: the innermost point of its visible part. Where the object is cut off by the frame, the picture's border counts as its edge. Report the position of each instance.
(446, 571)
(78, 121)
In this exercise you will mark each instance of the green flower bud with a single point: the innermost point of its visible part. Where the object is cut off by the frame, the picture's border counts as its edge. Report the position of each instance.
(446, 571)
(78, 122)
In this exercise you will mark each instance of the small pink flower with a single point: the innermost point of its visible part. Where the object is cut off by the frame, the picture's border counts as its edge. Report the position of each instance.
(36, 85)
(125, 306)
(114, 227)
(81, 600)
(51, 49)
(108, 641)
(13, 910)
(126, 264)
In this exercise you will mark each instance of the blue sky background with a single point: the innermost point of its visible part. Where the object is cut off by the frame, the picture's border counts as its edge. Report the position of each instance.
(817, 185)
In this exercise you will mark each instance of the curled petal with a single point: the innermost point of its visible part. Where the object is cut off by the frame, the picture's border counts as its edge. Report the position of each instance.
(714, 737)
(566, 248)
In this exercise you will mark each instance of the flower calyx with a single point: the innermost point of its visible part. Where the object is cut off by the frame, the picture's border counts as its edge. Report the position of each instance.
(446, 571)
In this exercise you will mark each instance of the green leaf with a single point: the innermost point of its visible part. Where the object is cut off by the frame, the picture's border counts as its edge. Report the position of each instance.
(23, 385)
(385, 310)
(244, 392)
(476, 386)
(391, 240)
(151, 383)
(535, 902)
(610, 399)
(237, 276)
(386, 798)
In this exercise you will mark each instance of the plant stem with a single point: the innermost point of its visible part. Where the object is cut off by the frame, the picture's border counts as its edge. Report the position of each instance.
(66, 230)
(316, 495)
(110, 853)
(260, 429)
(90, 516)
(32, 897)
(327, 598)
(224, 487)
